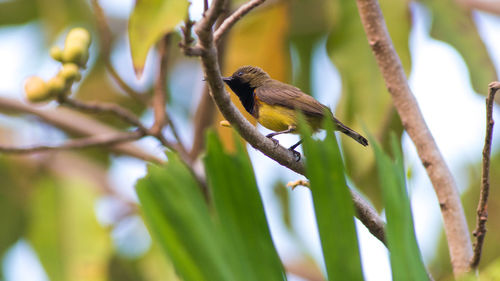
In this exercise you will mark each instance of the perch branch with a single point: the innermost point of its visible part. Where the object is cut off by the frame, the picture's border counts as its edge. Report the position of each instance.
(92, 141)
(213, 76)
(234, 17)
(365, 212)
(457, 233)
(482, 208)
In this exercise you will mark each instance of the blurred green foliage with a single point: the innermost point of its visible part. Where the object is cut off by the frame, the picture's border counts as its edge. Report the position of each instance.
(332, 205)
(406, 261)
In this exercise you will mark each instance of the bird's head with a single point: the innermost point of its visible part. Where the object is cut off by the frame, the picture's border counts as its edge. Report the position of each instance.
(246, 76)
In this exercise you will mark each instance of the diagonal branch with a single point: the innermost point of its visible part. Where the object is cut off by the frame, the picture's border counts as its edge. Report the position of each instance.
(482, 208)
(456, 229)
(234, 17)
(100, 107)
(365, 212)
(75, 123)
(92, 141)
(280, 154)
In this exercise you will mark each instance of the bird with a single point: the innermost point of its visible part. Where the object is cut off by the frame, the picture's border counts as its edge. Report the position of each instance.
(274, 105)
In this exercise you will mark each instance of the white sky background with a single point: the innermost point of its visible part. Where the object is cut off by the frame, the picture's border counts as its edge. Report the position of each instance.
(439, 80)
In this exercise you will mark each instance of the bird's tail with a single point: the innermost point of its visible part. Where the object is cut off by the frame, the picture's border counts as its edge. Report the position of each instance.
(350, 132)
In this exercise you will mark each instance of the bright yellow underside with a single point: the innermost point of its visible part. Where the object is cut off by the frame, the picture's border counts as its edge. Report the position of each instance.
(279, 118)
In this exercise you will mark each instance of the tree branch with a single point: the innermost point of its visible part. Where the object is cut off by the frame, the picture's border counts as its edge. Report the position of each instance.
(75, 123)
(365, 212)
(482, 208)
(234, 17)
(212, 71)
(457, 233)
(99, 107)
(159, 95)
(92, 141)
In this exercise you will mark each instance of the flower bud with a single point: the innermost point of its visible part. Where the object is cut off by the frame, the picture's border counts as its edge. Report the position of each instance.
(76, 47)
(78, 36)
(56, 53)
(37, 90)
(56, 85)
(70, 72)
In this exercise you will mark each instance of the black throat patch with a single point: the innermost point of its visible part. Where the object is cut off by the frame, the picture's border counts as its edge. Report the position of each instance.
(244, 92)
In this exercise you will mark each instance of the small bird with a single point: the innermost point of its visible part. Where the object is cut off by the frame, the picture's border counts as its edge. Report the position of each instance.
(274, 104)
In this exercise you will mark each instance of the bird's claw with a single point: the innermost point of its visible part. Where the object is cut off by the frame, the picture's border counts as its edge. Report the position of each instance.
(275, 141)
(296, 154)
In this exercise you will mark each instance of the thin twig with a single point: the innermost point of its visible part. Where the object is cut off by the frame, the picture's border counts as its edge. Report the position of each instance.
(187, 41)
(100, 107)
(455, 225)
(213, 76)
(104, 34)
(160, 94)
(92, 141)
(75, 123)
(159, 101)
(203, 118)
(234, 17)
(482, 208)
(487, 6)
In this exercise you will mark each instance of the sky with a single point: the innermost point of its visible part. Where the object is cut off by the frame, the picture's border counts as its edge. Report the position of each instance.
(439, 80)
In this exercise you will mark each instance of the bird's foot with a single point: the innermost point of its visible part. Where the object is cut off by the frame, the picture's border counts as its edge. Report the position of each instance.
(276, 142)
(296, 154)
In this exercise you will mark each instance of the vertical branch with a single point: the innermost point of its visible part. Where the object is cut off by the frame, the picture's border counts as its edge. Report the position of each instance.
(104, 34)
(482, 208)
(159, 95)
(455, 225)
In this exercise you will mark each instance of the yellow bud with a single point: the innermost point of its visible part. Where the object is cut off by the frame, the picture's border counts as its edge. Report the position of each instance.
(36, 90)
(76, 46)
(74, 53)
(70, 71)
(79, 36)
(56, 85)
(56, 53)
(225, 123)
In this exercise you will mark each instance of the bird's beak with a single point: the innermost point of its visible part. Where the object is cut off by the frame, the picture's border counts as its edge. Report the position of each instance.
(227, 79)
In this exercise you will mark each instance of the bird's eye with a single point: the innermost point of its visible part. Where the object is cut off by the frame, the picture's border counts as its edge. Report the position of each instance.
(240, 73)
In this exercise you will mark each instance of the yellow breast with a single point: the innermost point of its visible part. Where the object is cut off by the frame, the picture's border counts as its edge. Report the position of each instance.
(279, 118)
(275, 117)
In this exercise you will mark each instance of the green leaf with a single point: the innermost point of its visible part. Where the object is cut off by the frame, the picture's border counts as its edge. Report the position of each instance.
(65, 233)
(406, 260)
(332, 205)
(150, 20)
(180, 221)
(240, 212)
(453, 23)
(13, 202)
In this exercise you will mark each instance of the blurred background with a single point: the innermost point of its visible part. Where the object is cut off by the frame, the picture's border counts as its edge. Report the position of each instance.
(73, 215)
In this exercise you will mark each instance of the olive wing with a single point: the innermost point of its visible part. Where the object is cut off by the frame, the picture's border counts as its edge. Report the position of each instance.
(277, 93)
